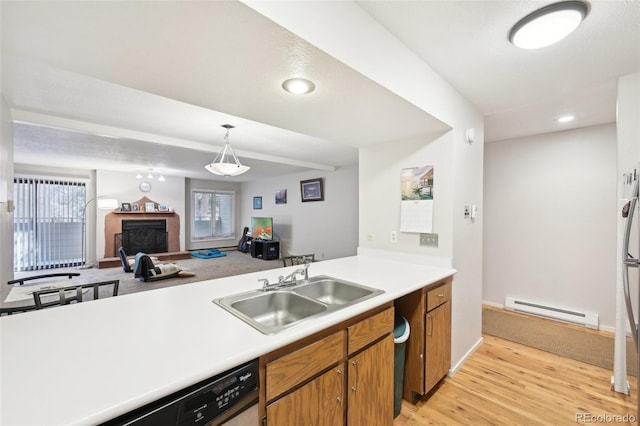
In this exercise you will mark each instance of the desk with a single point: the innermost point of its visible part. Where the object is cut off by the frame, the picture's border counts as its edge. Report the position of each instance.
(266, 250)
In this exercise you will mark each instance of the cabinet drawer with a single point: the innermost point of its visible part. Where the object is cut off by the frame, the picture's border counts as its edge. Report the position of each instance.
(367, 331)
(438, 296)
(290, 370)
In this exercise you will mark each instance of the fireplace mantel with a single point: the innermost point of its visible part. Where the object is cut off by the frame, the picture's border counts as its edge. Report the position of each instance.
(113, 226)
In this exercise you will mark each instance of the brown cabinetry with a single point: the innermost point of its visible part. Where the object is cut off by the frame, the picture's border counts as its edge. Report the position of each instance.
(370, 387)
(319, 402)
(343, 375)
(428, 353)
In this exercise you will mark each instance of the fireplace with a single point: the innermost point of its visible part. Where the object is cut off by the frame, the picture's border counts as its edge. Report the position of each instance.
(165, 226)
(146, 236)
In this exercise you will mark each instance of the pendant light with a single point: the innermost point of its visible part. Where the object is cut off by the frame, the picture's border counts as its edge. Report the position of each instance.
(548, 25)
(226, 163)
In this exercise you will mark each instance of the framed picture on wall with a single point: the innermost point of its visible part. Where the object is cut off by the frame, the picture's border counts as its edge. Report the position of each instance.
(312, 190)
(257, 203)
(281, 196)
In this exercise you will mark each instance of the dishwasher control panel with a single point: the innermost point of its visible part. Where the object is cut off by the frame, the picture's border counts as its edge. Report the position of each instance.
(216, 398)
(210, 402)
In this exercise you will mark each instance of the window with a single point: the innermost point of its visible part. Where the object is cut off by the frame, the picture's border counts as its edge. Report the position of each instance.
(213, 213)
(48, 223)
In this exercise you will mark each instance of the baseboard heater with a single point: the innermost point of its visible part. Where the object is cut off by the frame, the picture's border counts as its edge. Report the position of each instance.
(582, 318)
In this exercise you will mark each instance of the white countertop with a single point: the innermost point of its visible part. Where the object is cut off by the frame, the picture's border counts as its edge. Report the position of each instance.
(89, 362)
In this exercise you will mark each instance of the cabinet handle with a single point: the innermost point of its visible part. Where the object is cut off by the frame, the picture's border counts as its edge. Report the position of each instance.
(339, 371)
(355, 364)
(339, 400)
(441, 295)
(429, 325)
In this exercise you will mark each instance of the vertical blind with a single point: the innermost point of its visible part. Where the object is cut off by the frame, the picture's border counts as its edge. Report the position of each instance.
(212, 215)
(48, 223)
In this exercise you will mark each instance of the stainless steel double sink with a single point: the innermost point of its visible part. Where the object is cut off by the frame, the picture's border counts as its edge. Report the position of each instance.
(274, 310)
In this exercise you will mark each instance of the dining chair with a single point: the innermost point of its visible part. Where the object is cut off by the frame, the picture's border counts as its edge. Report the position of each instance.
(18, 307)
(299, 259)
(75, 293)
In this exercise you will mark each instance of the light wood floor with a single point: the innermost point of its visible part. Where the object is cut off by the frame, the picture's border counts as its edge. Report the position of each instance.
(505, 383)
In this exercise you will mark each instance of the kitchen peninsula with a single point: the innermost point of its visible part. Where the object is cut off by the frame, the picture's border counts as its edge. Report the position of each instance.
(90, 362)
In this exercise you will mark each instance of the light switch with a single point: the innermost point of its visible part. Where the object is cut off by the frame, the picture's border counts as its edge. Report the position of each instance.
(429, 240)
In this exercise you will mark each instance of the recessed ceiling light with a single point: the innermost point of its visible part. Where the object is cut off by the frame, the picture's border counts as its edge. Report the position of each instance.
(565, 118)
(548, 25)
(298, 86)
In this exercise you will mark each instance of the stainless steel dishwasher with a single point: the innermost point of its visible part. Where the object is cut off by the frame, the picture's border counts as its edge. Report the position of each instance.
(210, 402)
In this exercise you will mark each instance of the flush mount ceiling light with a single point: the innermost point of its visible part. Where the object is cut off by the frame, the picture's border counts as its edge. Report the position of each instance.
(548, 25)
(298, 86)
(565, 118)
(226, 163)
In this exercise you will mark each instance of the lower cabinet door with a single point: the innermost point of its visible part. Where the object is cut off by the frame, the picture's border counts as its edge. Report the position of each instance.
(438, 344)
(319, 402)
(370, 388)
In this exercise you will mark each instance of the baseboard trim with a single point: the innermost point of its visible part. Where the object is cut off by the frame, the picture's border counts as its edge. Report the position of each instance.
(453, 370)
(495, 305)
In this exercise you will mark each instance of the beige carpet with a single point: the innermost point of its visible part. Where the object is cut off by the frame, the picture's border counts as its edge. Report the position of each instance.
(234, 263)
(594, 348)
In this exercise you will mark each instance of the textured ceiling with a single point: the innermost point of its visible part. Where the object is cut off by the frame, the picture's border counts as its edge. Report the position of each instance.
(161, 72)
(521, 92)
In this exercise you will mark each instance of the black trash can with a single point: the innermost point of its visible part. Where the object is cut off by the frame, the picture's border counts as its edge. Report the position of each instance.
(400, 337)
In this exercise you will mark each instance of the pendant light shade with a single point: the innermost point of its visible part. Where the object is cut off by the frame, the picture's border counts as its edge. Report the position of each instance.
(548, 25)
(226, 163)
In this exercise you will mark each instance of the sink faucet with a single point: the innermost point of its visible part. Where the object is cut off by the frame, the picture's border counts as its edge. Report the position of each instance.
(287, 281)
(291, 278)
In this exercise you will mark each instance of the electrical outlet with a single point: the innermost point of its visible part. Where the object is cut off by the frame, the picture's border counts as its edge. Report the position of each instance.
(394, 237)
(429, 240)
(467, 212)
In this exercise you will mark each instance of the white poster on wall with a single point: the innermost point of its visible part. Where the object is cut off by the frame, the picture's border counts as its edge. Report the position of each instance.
(416, 209)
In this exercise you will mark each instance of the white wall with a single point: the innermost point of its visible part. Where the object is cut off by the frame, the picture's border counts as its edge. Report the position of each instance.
(550, 228)
(327, 228)
(193, 184)
(6, 193)
(380, 194)
(124, 188)
(468, 166)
